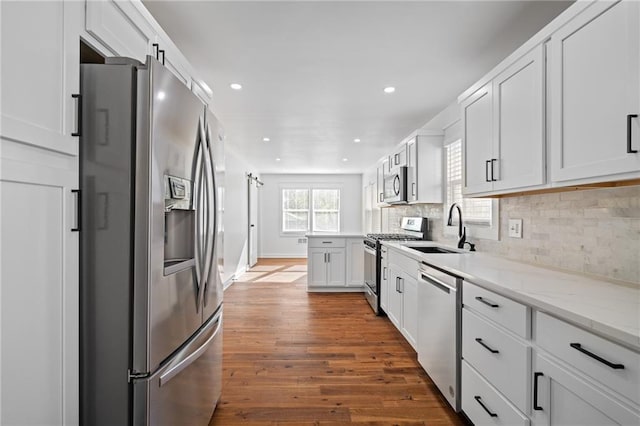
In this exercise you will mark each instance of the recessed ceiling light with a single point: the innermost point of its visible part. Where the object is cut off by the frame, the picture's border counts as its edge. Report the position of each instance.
(389, 89)
(356, 140)
(277, 159)
(161, 95)
(345, 159)
(265, 139)
(236, 86)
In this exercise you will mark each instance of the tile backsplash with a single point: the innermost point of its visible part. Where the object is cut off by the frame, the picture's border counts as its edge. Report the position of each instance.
(595, 231)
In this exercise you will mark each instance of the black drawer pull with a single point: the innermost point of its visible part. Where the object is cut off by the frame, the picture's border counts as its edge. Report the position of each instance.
(486, 170)
(630, 150)
(578, 347)
(161, 52)
(535, 391)
(491, 304)
(78, 195)
(493, 160)
(483, 344)
(477, 398)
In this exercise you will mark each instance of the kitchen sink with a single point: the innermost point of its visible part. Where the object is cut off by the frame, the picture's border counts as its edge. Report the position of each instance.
(432, 249)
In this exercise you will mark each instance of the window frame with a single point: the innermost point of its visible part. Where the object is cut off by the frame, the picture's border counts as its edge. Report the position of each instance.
(309, 187)
(282, 211)
(473, 230)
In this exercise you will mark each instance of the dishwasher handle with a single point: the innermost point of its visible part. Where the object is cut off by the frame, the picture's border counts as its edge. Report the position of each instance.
(437, 283)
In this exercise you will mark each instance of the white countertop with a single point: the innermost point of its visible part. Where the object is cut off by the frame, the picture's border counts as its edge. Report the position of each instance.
(334, 235)
(606, 307)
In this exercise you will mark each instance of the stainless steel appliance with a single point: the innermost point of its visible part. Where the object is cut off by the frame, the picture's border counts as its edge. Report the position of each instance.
(439, 342)
(151, 166)
(395, 186)
(415, 228)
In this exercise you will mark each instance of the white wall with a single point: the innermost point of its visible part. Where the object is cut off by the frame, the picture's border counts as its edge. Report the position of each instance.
(271, 243)
(235, 214)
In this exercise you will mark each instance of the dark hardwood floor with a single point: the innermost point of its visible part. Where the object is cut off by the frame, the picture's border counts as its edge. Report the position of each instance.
(294, 358)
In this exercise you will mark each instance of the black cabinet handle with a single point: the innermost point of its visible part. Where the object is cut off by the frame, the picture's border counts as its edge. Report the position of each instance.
(535, 391)
(156, 46)
(486, 170)
(78, 210)
(401, 287)
(493, 351)
(78, 131)
(477, 398)
(161, 52)
(493, 160)
(396, 159)
(491, 304)
(578, 347)
(630, 117)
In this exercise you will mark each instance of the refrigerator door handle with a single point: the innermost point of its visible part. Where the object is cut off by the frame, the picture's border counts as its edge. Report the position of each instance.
(199, 202)
(212, 207)
(183, 362)
(208, 243)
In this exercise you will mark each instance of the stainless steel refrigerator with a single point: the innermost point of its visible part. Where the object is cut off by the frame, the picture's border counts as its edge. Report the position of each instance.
(152, 172)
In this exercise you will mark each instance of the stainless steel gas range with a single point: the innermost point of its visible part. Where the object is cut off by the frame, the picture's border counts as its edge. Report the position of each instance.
(414, 228)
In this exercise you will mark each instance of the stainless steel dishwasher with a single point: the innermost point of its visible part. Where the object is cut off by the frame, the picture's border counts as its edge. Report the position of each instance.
(439, 329)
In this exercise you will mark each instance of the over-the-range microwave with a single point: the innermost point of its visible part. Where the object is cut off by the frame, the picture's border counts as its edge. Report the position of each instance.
(395, 186)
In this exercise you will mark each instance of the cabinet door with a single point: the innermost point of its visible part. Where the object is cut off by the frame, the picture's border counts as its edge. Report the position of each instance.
(39, 275)
(395, 297)
(317, 267)
(409, 288)
(40, 72)
(120, 27)
(399, 157)
(382, 172)
(412, 171)
(384, 282)
(477, 141)
(336, 267)
(519, 125)
(355, 264)
(595, 85)
(173, 60)
(565, 399)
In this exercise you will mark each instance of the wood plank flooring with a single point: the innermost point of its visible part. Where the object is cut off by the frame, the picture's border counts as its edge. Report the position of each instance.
(298, 358)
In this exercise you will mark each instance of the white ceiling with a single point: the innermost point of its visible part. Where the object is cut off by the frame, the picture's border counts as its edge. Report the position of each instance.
(313, 72)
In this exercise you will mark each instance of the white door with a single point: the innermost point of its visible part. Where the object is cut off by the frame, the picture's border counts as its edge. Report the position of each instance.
(477, 142)
(40, 73)
(317, 274)
(39, 276)
(561, 398)
(519, 123)
(595, 82)
(336, 267)
(253, 223)
(395, 297)
(409, 288)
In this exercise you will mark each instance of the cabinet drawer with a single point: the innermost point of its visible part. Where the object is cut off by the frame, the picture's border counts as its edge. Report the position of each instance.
(484, 405)
(326, 242)
(511, 315)
(500, 358)
(610, 364)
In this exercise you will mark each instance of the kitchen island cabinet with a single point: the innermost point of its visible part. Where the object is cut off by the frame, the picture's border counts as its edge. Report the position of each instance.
(335, 262)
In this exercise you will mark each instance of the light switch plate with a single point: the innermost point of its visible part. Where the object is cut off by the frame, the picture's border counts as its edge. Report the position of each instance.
(515, 228)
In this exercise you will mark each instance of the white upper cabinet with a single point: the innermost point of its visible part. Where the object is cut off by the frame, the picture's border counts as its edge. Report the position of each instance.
(121, 27)
(504, 129)
(40, 72)
(424, 168)
(519, 132)
(478, 140)
(399, 157)
(594, 71)
(383, 170)
(172, 58)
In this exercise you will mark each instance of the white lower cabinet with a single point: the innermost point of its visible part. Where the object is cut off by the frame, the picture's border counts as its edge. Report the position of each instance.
(384, 279)
(355, 265)
(563, 398)
(483, 404)
(39, 275)
(327, 267)
(335, 263)
(402, 303)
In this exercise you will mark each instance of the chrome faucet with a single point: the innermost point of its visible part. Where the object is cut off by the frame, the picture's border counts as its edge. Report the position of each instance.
(462, 231)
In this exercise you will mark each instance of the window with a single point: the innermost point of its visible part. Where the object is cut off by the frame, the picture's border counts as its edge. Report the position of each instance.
(479, 214)
(295, 210)
(305, 209)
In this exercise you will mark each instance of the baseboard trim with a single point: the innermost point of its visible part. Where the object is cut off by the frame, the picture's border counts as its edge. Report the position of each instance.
(335, 289)
(241, 270)
(283, 256)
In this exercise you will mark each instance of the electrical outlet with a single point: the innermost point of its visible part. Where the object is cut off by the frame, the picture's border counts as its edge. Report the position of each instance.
(515, 228)
(302, 240)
